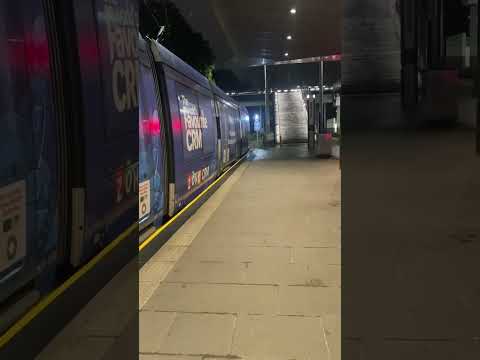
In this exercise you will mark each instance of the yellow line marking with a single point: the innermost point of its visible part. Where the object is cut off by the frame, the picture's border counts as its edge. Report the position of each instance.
(47, 300)
(190, 204)
(40, 306)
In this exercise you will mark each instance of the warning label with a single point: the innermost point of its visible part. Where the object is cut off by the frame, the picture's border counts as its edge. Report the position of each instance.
(144, 199)
(12, 224)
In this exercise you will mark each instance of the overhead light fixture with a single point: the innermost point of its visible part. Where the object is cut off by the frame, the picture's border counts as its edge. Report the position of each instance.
(289, 37)
(286, 54)
(293, 11)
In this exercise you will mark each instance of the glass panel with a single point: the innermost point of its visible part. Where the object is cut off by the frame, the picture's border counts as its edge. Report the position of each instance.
(151, 158)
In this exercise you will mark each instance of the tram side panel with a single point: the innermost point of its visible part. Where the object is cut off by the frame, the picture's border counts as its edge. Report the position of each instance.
(232, 122)
(239, 131)
(152, 159)
(244, 124)
(193, 128)
(28, 159)
(107, 203)
(226, 134)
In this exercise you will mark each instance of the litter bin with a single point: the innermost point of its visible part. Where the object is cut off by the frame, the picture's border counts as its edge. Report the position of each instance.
(324, 145)
(336, 148)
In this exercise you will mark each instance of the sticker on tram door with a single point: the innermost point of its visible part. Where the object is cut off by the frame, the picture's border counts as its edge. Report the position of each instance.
(143, 199)
(12, 224)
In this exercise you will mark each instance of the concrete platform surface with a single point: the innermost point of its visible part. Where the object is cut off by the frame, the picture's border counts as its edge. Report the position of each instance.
(255, 273)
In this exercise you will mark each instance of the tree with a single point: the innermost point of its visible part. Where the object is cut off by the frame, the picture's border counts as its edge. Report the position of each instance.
(228, 80)
(178, 35)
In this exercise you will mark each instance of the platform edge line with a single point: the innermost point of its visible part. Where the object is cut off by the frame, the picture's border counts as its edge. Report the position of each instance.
(50, 298)
(190, 204)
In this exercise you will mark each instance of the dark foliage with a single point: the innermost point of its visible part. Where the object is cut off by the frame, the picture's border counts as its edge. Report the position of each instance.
(227, 80)
(178, 35)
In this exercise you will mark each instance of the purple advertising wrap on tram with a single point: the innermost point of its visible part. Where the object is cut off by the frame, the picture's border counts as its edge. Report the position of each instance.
(28, 159)
(108, 61)
(197, 143)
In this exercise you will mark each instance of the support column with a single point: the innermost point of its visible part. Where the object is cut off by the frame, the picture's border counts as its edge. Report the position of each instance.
(409, 54)
(267, 107)
(473, 36)
(321, 118)
(371, 65)
(437, 41)
(477, 78)
(311, 122)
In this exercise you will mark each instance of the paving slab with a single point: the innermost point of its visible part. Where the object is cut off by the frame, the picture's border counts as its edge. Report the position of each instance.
(169, 357)
(154, 328)
(155, 271)
(199, 334)
(238, 253)
(293, 274)
(280, 337)
(212, 298)
(309, 300)
(208, 272)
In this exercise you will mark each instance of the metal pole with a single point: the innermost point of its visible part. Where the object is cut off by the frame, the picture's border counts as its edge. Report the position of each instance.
(321, 120)
(409, 49)
(477, 80)
(267, 115)
(473, 37)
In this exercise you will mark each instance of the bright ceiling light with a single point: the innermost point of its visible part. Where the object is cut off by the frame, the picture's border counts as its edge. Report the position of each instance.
(293, 11)
(286, 54)
(289, 37)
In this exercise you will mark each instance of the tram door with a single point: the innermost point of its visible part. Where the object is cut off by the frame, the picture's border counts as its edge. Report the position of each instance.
(28, 159)
(105, 198)
(152, 171)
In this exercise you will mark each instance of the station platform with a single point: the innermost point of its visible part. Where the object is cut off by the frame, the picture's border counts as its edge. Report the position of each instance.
(254, 273)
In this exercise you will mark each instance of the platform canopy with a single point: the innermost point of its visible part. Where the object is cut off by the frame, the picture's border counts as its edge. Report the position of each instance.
(252, 32)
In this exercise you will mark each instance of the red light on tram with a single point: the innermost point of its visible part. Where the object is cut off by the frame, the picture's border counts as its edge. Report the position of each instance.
(151, 126)
(88, 49)
(29, 54)
(177, 126)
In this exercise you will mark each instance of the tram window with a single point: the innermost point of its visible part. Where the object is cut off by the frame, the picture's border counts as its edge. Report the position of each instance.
(25, 103)
(208, 133)
(28, 143)
(149, 123)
